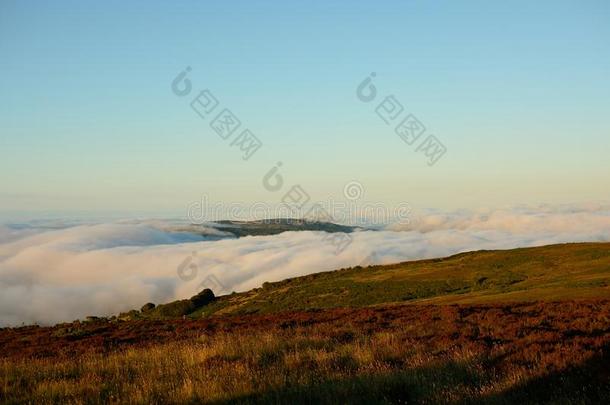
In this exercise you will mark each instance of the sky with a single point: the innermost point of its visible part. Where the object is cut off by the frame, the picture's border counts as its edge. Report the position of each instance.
(517, 92)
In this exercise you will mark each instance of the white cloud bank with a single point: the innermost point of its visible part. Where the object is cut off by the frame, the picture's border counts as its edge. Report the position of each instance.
(53, 275)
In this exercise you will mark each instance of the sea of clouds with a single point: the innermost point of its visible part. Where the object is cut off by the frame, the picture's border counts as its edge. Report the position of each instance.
(61, 271)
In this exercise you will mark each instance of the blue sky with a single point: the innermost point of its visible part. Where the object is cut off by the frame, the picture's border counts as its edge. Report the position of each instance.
(519, 94)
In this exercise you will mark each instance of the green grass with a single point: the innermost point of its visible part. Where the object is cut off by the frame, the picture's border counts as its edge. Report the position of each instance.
(568, 271)
(547, 273)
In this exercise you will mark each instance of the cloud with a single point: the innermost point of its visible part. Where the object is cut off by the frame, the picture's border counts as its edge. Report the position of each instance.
(585, 218)
(49, 275)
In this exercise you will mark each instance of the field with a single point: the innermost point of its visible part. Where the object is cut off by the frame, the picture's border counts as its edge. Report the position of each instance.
(520, 326)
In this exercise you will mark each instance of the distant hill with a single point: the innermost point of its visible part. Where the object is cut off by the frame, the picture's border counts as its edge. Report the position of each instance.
(548, 273)
(278, 225)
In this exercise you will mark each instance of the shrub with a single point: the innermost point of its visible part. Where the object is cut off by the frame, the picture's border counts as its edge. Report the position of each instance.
(128, 316)
(175, 309)
(203, 298)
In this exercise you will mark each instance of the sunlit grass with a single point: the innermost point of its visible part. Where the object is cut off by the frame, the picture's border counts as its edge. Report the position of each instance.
(300, 365)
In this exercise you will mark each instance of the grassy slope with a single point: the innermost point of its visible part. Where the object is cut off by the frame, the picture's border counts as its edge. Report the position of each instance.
(568, 271)
(543, 352)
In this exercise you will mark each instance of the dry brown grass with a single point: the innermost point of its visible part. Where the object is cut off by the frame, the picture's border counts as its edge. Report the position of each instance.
(237, 366)
(497, 354)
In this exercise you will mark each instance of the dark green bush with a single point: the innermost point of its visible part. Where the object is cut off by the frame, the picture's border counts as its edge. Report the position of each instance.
(203, 298)
(175, 309)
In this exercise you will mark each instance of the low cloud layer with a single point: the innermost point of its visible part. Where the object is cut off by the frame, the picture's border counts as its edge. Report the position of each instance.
(60, 273)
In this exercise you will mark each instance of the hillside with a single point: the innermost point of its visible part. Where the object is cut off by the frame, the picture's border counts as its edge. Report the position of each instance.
(446, 331)
(555, 272)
